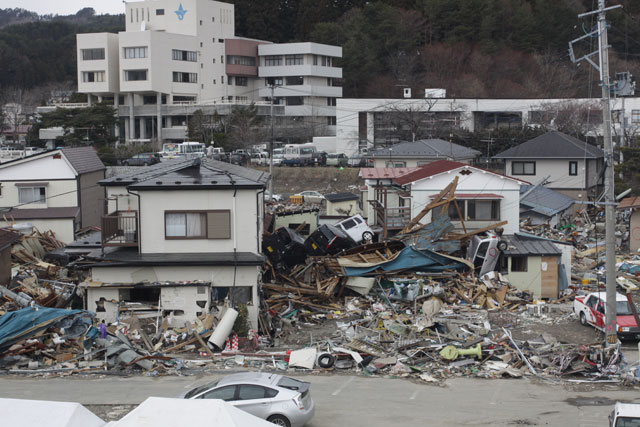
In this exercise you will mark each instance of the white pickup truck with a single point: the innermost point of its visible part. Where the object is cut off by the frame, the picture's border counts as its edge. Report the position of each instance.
(591, 310)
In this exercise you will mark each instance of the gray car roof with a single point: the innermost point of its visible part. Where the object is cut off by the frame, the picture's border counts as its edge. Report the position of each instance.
(251, 377)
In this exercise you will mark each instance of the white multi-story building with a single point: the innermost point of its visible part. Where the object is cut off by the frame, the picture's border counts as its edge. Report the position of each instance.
(178, 56)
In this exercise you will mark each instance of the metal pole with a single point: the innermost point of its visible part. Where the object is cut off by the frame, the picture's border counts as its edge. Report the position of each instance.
(271, 147)
(609, 179)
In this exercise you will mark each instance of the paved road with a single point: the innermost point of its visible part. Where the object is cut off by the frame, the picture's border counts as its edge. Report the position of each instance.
(373, 402)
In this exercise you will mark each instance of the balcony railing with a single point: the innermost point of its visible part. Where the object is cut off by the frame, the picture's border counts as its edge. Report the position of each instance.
(120, 229)
(390, 218)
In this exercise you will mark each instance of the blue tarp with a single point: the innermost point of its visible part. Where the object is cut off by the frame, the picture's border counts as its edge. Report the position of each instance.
(414, 260)
(18, 325)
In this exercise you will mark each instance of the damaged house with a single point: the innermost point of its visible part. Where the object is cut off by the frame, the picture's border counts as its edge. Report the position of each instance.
(179, 238)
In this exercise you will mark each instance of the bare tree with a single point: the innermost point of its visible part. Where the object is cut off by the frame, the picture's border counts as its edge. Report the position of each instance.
(576, 118)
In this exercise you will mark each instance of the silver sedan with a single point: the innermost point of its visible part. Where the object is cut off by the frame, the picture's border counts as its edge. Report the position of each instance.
(278, 399)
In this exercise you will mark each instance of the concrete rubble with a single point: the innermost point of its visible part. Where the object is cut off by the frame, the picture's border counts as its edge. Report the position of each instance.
(409, 306)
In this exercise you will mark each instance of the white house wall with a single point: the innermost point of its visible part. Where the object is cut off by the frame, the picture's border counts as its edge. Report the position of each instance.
(530, 280)
(558, 172)
(243, 220)
(126, 201)
(41, 169)
(62, 227)
(476, 182)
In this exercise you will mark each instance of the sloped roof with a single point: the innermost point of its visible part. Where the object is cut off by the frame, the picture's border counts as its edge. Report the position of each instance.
(519, 245)
(46, 213)
(189, 174)
(340, 197)
(552, 145)
(384, 173)
(629, 202)
(438, 167)
(543, 200)
(83, 159)
(426, 148)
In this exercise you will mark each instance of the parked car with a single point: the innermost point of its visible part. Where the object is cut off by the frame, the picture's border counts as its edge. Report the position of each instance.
(357, 161)
(278, 399)
(311, 197)
(259, 159)
(221, 157)
(319, 158)
(278, 159)
(142, 159)
(357, 228)
(625, 414)
(484, 251)
(240, 159)
(268, 197)
(284, 248)
(591, 310)
(328, 240)
(337, 159)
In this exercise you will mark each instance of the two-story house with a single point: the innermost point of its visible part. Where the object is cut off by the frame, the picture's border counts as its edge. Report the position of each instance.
(564, 163)
(181, 237)
(484, 197)
(54, 190)
(420, 153)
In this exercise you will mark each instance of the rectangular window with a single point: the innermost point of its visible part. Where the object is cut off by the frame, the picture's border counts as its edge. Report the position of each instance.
(159, 11)
(179, 77)
(198, 225)
(393, 164)
(635, 116)
(31, 195)
(294, 100)
(135, 75)
(324, 61)
(331, 120)
(92, 54)
(483, 210)
(220, 40)
(273, 81)
(315, 59)
(453, 212)
(519, 263)
(294, 60)
(272, 61)
(523, 168)
(184, 55)
(92, 76)
(222, 59)
(295, 81)
(241, 60)
(221, 79)
(242, 81)
(135, 52)
(331, 102)
(573, 168)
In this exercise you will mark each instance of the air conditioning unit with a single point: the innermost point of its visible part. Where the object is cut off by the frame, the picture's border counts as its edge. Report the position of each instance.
(407, 92)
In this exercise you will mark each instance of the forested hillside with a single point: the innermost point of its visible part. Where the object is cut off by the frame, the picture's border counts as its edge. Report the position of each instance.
(472, 48)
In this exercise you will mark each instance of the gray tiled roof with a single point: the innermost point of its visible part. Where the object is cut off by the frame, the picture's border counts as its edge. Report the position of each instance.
(543, 200)
(428, 149)
(552, 145)
(83, 159)
(340, 197)
(519, 245)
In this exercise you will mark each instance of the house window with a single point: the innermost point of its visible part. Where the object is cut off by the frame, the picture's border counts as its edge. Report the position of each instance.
(31, 195)
(523, 168)
(92, 76)
(159, 11)
(331, 120)
(241, 81)
(135, 75)
(220, 40)
(295, 100)
(272, 61)
(573, 168)
(519, 263)
(179, 77)
(184, 55)
(221, 79)
(198, 225)
(324, 61)
(135, 52)
(452, 212)
(294, 81)
(635, 116)
(273, 81)
(483, 210)
(241, 60)
(315, 59)
(394, 164)
(92, 54)
(293, 60)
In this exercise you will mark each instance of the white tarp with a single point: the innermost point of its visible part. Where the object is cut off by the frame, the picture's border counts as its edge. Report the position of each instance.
(38, 413)
(167, 412)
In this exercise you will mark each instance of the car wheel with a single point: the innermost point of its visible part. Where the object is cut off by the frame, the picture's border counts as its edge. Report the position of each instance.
(502, 245)
(583, 318)
(279, 420)
(125, 163)
(326, 360)
(367, 236)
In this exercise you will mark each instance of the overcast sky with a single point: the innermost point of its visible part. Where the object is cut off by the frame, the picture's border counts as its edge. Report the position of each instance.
(64, 7)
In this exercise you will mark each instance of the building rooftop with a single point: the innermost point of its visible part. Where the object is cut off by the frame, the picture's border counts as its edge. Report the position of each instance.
(340, 197)
(629, 202)
(520, 245)
(552, 145)
(46, 213)
(123, 257)
(83, 159)
(442, 166)
(427, 149)
(384, 173)
(543, 200)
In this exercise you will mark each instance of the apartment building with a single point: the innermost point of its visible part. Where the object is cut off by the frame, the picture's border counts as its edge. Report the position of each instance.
(179, 56)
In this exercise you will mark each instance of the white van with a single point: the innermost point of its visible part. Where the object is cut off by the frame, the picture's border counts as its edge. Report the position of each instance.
(357, 228)
(484, 251)
(625, 414)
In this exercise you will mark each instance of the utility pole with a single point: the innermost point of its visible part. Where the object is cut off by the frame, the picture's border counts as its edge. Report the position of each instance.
(609, 178)
(273, 87)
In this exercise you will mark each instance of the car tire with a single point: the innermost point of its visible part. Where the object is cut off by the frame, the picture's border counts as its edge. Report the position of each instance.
(279, 420)
(583, 318)
(367, 236)
(502, 245)
(326, 360)
(125, 163)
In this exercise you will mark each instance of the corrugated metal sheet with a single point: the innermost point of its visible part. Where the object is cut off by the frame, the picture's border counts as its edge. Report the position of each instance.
(521, 246)
(544, 201)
